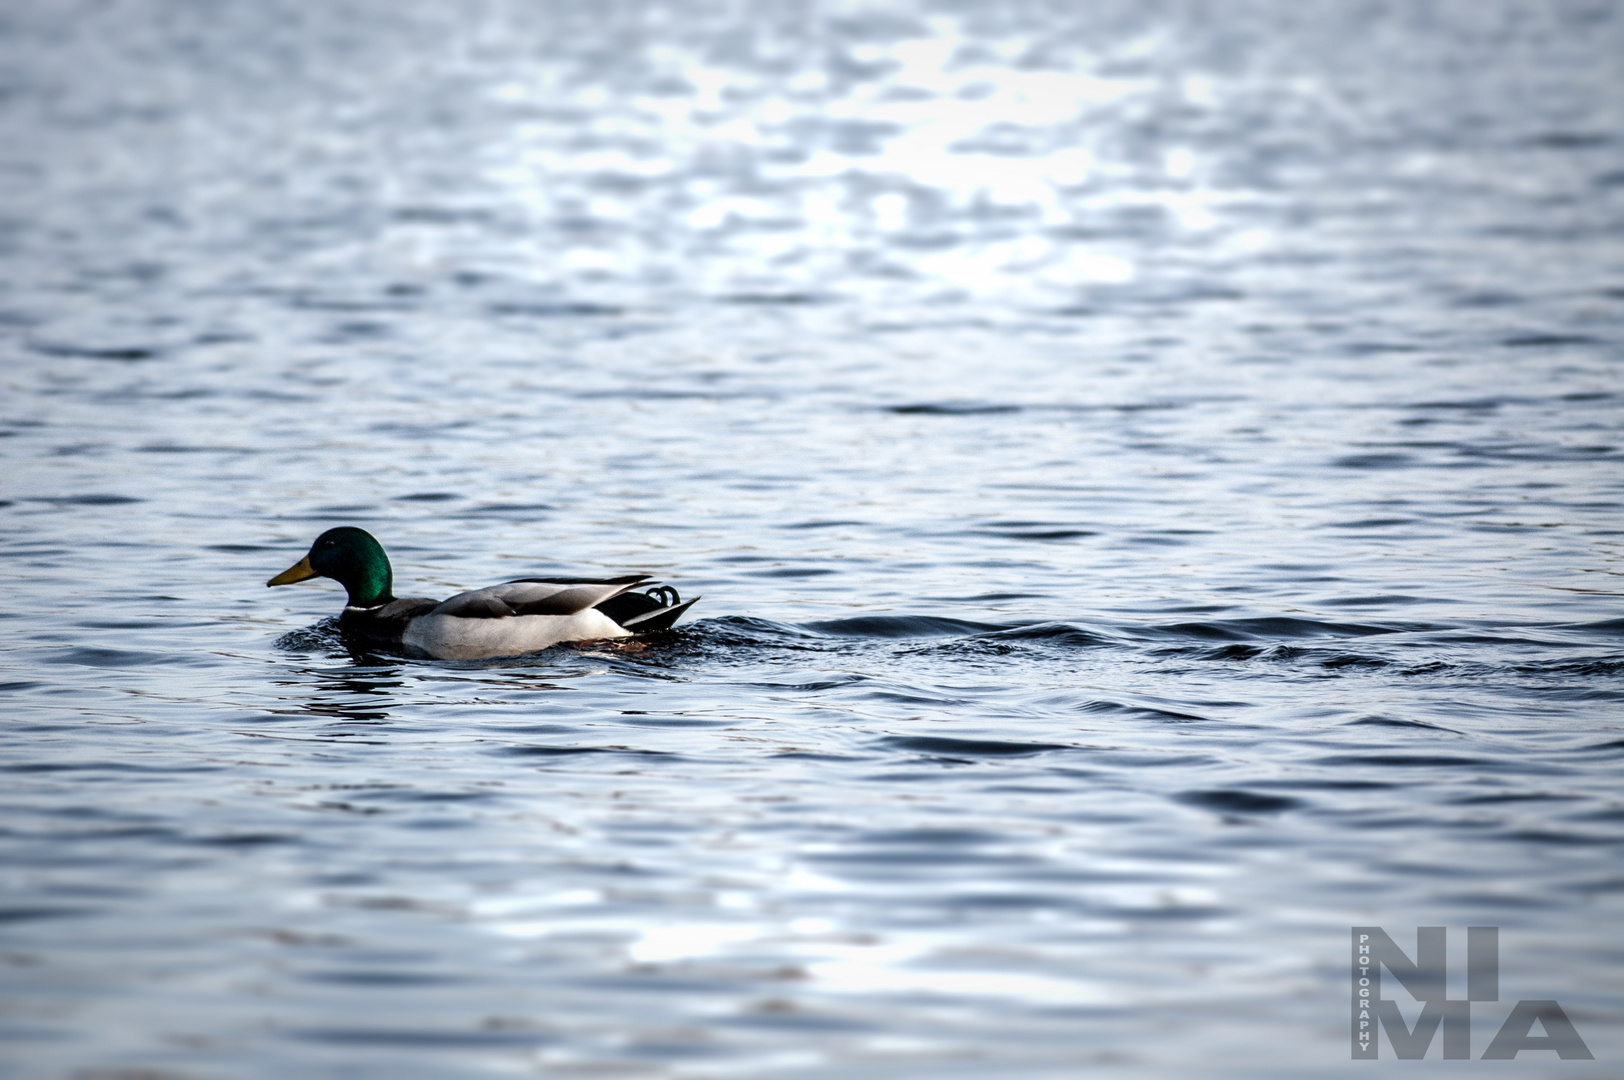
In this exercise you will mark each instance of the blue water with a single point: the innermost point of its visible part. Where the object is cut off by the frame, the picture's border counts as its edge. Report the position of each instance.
(1153, 473)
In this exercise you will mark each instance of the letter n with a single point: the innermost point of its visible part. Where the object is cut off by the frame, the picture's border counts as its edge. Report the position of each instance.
(1560, 1034)
(1423, 977)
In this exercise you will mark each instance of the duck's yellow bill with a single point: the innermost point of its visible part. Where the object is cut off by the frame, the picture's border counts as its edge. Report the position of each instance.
(299, 571)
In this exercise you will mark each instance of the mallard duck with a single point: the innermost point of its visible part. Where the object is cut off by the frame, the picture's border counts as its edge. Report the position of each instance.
(504, 620)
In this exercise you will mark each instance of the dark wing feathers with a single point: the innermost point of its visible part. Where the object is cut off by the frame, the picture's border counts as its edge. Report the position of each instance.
(566, 601)
(535, 596)
(480, 604)
(639, 612)
(405, 609)
(628, 579)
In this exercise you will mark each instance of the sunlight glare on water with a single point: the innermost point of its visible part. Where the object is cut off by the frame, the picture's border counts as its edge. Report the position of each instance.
(959, 150)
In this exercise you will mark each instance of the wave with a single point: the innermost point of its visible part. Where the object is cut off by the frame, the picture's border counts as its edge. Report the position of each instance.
(900, 626)
(943, 746)
(323, 636)
(1237, 801)
(1274, 627)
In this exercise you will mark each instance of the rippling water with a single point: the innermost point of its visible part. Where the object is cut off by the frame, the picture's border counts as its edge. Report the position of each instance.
(1153, 472)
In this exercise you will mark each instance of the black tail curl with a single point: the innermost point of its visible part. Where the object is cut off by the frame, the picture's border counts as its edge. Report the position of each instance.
(641, 612)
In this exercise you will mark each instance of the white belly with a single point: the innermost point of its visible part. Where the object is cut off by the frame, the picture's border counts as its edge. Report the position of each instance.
(447, 637)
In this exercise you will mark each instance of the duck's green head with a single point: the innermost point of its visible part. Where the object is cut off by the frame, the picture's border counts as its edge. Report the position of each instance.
(351, 557)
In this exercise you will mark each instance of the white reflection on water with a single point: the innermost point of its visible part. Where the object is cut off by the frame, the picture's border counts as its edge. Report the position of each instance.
(889, 971)
(950, 159)
(830, 955)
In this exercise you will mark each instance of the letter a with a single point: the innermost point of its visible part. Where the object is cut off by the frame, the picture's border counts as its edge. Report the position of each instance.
(1560, 1034)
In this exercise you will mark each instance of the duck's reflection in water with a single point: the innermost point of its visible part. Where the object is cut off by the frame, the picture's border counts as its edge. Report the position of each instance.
(375, 689)
(363, 694)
